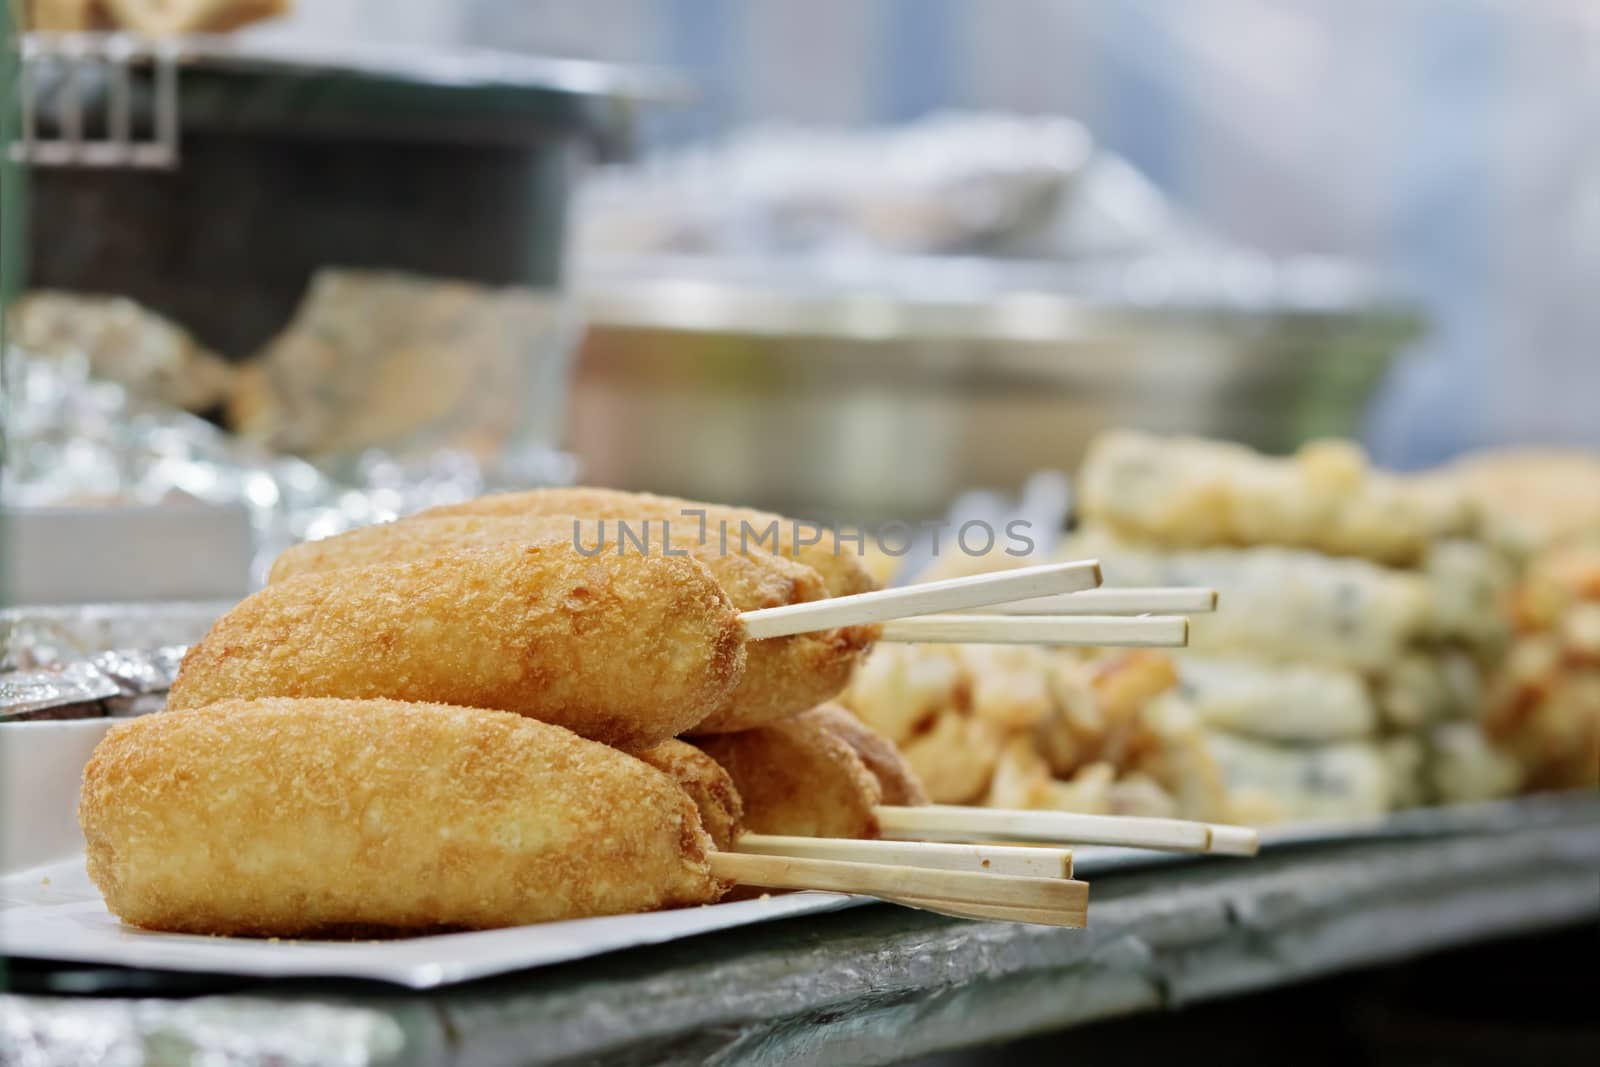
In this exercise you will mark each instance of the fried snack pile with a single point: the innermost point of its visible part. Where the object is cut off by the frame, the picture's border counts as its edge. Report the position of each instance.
(1023, 727)
(428, 725)
(1185, 492)
(1545, 704)
(360, 818)
(124, 343)
(1354, 665)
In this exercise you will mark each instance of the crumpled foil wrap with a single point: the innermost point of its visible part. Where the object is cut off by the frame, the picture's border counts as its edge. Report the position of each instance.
(120, 682)
(210, 1031)
(93, 660)
(75, 440)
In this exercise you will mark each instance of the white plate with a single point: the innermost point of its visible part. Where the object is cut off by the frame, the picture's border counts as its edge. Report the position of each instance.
(54, 912)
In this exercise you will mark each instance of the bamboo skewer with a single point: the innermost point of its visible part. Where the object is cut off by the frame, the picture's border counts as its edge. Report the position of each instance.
(1156, 631)
(1156, 600)
(953, 594)
(890, 882)
(942, 822)
(983, 859)
(1234, 841)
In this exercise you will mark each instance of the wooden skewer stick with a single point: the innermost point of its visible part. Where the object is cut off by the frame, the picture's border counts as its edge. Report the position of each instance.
(943, 822)
(889, 881)
(984, 859)
(1165, 600)
(953, 594)
(1072, 918)
(1154, 631)
(1234, 841)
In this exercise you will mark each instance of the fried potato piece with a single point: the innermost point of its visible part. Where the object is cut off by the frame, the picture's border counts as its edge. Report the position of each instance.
(956, 757)
(708, 785)
(292, 818)
(783, 675)
(841, 572)
(901, 689)
(625, 650)
(799, 777)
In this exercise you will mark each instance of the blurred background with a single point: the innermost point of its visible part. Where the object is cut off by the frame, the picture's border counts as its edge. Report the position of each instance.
(1296, 299)
(1451, 143)
(844, 259)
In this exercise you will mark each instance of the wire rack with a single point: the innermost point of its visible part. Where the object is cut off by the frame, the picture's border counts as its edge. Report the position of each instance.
(96, 100)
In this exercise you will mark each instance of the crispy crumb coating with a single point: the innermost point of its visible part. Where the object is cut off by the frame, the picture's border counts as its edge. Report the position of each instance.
(842, 570)
(782, 675)
(799, 777)
(293, 818)
(896, 778)
(626, 650)
(708, 785)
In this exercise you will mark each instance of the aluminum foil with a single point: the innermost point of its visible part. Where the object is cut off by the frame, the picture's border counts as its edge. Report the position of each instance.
(53, 637)
(92, 660)
(207, 1030)
(120, 682)
(75, 440)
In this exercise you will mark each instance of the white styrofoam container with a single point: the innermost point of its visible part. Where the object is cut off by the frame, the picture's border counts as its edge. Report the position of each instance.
(189, 551)
(41, 767)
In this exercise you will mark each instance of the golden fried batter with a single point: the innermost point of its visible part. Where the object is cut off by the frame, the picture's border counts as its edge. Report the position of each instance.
(841, 570)
(291, 818)
(628, 650)
(708, 785)
(782, 676)
(897, 781)
(799, 777)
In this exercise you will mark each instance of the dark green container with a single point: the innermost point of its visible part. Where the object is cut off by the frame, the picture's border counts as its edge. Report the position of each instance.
(448, 165)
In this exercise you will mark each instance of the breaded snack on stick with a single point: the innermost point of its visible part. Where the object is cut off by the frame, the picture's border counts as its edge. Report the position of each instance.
(295, 818)
(706, 783)
(795, 777)
(897, 781)
(783, 675)
(841, 568)
(804, 776)
(627, 650)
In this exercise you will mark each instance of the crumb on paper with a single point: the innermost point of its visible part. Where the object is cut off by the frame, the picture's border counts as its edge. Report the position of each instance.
(45, 880)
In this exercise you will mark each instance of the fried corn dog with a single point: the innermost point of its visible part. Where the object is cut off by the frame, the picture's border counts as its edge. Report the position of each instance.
(291, 818)
(801, 777)
(708, 786)
(782, 675)
(841, 572)
(897, 781)
(627, 650)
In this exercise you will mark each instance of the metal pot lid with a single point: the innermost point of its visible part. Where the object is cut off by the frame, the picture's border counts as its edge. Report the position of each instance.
(244, 84)
(464, 68)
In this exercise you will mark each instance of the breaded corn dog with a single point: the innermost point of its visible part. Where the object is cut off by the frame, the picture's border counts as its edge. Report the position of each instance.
(782, 676)
(627, 650)
(897, 781)
(706, 783)
(841, 571)
(291, 818)
(803, 777)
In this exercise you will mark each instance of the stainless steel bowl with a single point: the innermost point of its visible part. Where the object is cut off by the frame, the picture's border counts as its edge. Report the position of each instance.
(864, 393)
